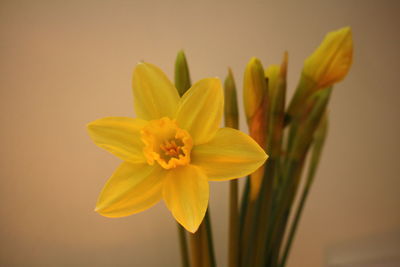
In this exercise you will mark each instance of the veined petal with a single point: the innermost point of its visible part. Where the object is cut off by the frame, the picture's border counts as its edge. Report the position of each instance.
(131, 189)
(154, 94)
(186, 194)
(230, 154)
(200, 110)
(120, 136)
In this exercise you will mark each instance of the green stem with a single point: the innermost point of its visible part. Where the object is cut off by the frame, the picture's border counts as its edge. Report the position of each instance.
(246, 242)
(233, 259)
(195, 249)
(242, 217)
(232, 121)
(282, 200)
(264, 212)
(243, 206)
(202, 244)
(210, 246)
(287, 206)
(300, 138)
(183, 246)
(294, 225)
(316, 155)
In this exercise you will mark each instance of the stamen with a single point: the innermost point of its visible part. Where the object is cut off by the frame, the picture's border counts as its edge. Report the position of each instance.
(171, 149)
(166, 144)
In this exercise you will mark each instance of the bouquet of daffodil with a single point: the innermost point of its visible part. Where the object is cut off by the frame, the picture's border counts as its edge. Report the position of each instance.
(175, 146)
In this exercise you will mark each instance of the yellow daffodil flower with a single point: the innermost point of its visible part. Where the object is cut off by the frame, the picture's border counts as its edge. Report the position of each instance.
(172, 149)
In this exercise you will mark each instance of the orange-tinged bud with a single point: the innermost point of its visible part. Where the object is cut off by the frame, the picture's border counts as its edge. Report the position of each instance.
(328, 65)
(254, 87)
(255, 105)
(331, 61)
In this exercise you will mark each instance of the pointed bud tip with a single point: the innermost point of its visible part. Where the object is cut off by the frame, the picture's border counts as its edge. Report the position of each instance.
(181, 52)
(253, 61)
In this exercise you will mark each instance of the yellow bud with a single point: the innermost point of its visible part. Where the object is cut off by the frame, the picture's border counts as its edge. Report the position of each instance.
(331, 61)
(254, 87)
(255, 106)
(328, 64)
(272, 73)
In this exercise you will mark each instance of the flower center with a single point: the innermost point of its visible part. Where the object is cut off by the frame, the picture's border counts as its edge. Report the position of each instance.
(166, 144)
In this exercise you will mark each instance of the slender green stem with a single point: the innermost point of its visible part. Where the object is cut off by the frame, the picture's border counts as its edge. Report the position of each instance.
(210, 246)
(277, 245)
(280, 209)
(195, 249)
(243, 206)
(300, 138)
(246, 236)
(242, 217)
(264, 212)
(183, 246)
(233, 259)
(294, 226)
(232, 121)
(316, 155)
(287, 206)
(202, 244)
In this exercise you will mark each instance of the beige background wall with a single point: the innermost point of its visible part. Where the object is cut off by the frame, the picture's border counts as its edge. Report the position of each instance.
(65, 63)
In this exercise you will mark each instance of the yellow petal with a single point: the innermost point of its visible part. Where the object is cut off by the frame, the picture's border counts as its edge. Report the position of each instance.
(131, 189)
(186, 194)
(230, 154)
(332, 59)
(154, 94)
(120, 136)
(200, 110)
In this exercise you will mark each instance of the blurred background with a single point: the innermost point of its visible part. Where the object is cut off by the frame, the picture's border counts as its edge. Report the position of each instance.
(66, 63)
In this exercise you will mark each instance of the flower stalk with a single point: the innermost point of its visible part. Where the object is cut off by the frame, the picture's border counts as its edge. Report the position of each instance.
(317, 146)
(232, 121)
